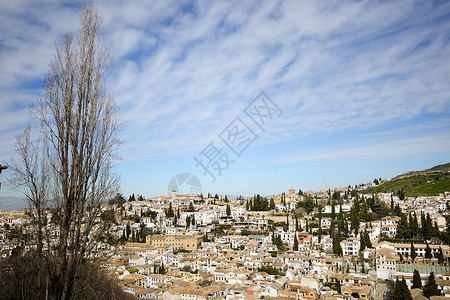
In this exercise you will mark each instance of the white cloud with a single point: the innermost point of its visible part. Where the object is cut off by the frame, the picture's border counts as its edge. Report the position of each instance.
(424, 145)
(181, 74)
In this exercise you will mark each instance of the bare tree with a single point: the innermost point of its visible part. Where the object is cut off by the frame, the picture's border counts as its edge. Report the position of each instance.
(66, 158)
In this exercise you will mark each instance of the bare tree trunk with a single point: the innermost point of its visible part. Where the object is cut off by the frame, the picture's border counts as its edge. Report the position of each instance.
(68, 167)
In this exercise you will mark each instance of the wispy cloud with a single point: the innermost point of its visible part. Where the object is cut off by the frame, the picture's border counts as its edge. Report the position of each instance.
(183, 70)
(430, 144)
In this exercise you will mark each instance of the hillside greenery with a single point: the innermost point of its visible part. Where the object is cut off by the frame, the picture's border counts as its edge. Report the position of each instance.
(417, 185)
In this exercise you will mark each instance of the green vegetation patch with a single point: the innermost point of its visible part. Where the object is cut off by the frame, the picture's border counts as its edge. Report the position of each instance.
(418, 185)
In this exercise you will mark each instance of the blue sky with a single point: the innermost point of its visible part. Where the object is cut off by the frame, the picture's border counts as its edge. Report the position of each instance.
(363, 86)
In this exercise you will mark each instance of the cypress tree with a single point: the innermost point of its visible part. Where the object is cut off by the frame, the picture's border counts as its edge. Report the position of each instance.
(417, 282)
(128, 230)
(422, 222)
(403, 231)
(428, 231)
(295, 242)
(401, 291)
(405, 291)
(413, 252)
(368, 242)
(431, 288)
(320, 224)
(333, 211)
(428, 252)
(440, 256)
(437, 232)
(415, 225)
(397, 210)
(170, 211)
(264, 204)
(272, 204)
(363, 241)
(122, 237)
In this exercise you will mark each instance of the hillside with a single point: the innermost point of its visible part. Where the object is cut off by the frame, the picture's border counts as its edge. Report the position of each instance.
(445, 168)
(428, 182)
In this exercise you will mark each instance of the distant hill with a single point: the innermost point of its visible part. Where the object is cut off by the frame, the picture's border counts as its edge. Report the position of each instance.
(12, 203)
(437, 169)
(428, 182)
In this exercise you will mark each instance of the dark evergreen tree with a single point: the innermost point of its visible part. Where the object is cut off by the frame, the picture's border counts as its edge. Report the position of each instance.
(295, 242)
(264, 204)
(337, 249)
(341, 221)
(128, 230)
(403, 231)
(401, 194)
(428, 254)
(122, 237)
(437, 232)
(392, 203)
(422, 222)
(417, 282)
(405, 290)
(333, 211)
(170, 212)
(228, 210)
(354, 219)
(320, 225)
(191, 207)
(413, 252)
(397, 210)
(272, 204)
(401, 291)
(415, 226)
(365, 241)
(431, 288)
(429, 229)
(440, 256)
